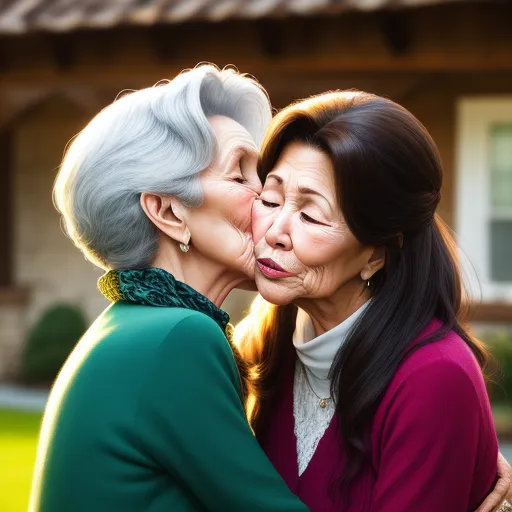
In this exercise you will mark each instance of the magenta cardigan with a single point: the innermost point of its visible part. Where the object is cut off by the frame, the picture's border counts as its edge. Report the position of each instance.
(433, 442)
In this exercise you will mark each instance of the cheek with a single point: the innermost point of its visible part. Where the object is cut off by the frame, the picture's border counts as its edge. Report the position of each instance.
(238, 207)
(331, 256)
(316, 248)
(231, 203)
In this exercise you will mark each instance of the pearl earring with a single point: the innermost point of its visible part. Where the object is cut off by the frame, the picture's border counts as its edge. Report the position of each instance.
(184, 247)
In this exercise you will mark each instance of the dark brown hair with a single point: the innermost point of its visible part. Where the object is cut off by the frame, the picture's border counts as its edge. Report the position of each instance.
(388, 175)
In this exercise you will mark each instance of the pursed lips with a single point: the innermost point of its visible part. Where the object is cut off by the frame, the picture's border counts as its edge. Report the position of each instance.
(269, 268)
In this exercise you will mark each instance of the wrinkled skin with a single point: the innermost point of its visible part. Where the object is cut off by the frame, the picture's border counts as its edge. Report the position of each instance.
(297, 223)
(304, 233)
(221, 226)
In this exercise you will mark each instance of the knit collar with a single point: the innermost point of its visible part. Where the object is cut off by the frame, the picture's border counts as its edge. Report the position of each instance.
(317, 353)
(156, 287)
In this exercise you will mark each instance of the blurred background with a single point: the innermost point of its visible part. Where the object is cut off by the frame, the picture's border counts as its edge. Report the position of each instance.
(61, 61)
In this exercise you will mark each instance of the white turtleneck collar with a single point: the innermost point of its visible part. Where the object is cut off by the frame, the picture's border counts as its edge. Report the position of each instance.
(317, 353)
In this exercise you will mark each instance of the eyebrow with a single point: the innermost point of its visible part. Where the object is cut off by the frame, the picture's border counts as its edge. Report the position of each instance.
(311, 192)
(302, 190)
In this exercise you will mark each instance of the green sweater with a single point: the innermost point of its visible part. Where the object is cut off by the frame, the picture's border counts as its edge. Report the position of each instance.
(146, 416)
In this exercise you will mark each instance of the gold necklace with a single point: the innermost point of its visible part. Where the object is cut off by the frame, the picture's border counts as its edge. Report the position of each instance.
(322, 400)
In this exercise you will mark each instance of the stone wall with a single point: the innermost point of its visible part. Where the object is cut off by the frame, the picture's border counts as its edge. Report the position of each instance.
(13, 330)
(45, 261)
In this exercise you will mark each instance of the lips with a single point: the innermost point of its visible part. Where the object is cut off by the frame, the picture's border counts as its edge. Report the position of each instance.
(271, 264)
(271, 269)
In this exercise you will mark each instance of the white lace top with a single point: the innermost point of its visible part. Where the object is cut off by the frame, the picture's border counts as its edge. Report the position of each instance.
(315, 356)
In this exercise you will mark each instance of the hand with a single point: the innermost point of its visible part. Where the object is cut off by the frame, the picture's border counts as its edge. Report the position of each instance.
(503, 489)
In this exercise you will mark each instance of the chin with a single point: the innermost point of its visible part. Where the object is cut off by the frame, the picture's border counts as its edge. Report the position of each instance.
(273, 293)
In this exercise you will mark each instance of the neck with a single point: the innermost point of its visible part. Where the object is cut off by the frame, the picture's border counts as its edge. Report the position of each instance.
(327, 313)
(207, 277)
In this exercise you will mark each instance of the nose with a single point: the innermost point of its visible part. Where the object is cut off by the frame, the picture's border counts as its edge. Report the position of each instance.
(258, 187)
(278, 234)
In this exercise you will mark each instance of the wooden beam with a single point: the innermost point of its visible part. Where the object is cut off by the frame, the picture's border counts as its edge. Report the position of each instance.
(17, 100)
(397, 34)
(4, 63)
(271, 38)
(140, 74)
(6, 206)
(162, 42)
(63, 50)
(493, 312)
(13, 296)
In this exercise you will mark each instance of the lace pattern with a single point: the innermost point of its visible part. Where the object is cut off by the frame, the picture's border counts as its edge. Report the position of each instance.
(311, 421)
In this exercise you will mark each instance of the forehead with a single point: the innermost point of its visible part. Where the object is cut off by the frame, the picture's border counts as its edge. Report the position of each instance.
(230, 133)
(300, 162)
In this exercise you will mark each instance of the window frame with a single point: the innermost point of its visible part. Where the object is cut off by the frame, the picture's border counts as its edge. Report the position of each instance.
(473, 209)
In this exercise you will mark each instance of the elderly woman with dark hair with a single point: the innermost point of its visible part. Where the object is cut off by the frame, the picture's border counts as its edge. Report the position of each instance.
(146, 414)
(371, 393)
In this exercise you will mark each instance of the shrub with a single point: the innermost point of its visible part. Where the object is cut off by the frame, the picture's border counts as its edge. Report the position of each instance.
(500, 367)
(50, 342)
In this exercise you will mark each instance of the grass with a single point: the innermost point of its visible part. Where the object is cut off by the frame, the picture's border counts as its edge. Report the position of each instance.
(18, 441)
(502, 413)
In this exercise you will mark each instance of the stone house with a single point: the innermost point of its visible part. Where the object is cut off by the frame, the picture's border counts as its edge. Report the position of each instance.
(449, 62)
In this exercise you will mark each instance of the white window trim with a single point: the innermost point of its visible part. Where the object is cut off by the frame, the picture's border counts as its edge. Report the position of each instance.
(472, 187)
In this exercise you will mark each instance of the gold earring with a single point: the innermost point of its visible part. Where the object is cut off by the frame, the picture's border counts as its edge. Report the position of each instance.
(184, 247)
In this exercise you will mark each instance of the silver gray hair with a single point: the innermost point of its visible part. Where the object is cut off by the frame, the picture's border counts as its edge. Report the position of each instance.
(155, 140)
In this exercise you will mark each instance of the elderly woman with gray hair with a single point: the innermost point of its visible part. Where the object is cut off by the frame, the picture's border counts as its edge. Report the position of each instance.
(146, 414)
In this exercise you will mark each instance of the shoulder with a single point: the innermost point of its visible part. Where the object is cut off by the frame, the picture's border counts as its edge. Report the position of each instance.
(159, 324)
(125, 314)
(138, 334)
(439, 385)
(197, 332)
(442, 370)
(194, 350)
(450, 355)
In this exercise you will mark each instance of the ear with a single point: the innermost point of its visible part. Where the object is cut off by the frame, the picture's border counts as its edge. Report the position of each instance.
(168, 214)
(375, 263)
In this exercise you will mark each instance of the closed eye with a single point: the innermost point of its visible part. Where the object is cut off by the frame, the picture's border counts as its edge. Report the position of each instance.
(309, 219)
(240, 180)
(268, 204)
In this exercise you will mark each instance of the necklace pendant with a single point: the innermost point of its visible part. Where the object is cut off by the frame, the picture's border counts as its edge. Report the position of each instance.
(323, 403)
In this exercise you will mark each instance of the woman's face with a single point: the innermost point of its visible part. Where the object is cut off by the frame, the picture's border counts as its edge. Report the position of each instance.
(303, 247)
(221, 227)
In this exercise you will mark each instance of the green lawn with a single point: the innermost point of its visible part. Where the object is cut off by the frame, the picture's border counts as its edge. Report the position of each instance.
(18, 440)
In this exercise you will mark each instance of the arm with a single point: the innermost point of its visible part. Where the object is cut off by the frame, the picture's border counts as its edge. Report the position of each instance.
(430, 444)
(195, 427)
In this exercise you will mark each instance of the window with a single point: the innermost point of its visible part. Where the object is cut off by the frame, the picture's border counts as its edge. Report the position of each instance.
(484, 192)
